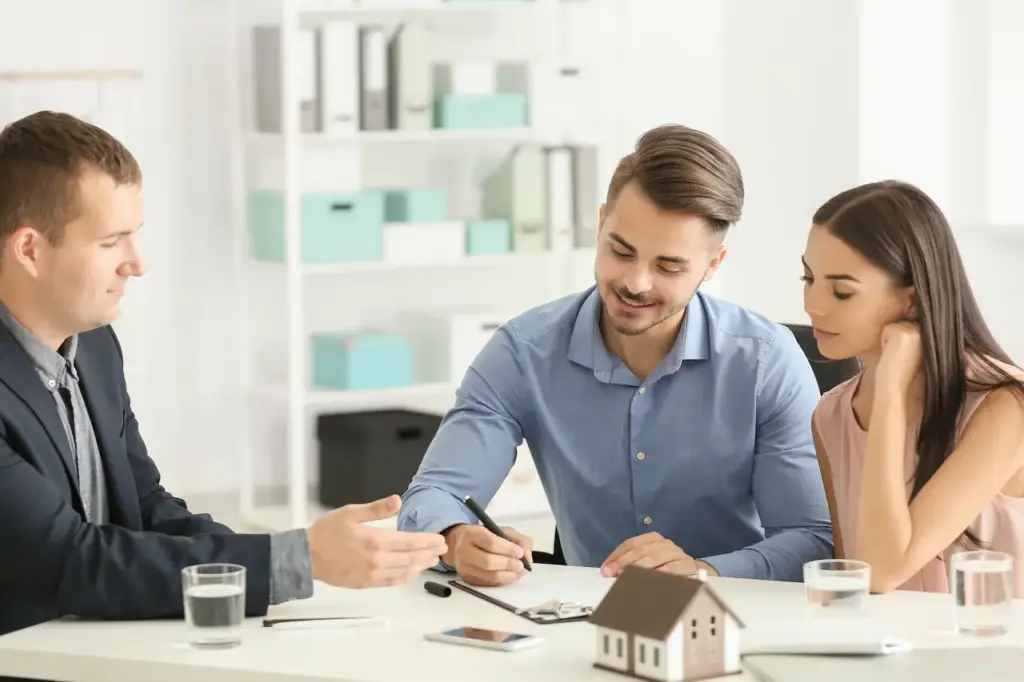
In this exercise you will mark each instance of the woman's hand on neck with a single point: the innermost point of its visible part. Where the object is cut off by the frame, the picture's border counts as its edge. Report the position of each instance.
(879, 388)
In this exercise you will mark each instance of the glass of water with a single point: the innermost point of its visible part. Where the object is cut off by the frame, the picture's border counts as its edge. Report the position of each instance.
(838, 585)
(214, 604)
(982, 592)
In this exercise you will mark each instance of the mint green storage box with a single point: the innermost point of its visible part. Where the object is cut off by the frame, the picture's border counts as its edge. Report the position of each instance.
(336, 227)
(360, 360)
(459, 112)
(488, 236)
(415, 204)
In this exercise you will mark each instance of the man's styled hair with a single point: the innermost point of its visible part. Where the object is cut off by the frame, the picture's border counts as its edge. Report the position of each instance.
(682, 170)
(42, 158)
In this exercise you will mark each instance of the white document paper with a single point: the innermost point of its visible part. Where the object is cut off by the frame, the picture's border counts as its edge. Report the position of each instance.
(821, 639)
(585, 587)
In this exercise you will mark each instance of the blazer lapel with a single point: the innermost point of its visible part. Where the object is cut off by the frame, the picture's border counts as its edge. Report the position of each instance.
(107, 418)
(18, 372)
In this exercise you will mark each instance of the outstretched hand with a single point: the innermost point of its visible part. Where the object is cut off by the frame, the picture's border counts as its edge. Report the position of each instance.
(347, 553)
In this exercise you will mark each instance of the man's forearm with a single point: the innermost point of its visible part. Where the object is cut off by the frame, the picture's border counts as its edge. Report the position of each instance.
(429, 509)
(291, 566)
(779, 557)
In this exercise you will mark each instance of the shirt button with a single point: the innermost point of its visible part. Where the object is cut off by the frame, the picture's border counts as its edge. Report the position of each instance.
(51, 383)
(642, 390)
(640, 456)
(647, 520)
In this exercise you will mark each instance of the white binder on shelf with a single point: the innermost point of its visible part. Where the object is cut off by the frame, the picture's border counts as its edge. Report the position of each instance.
(268, 86)
(373, 78)
(339, 78)
(517, 191)
(560, 199)
(410, 55)
(586, 195)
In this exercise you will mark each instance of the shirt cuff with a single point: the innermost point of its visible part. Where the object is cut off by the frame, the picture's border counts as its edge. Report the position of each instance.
(744, 563)
(291, 566)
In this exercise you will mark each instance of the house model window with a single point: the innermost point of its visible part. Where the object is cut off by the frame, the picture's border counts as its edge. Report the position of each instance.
(665, 627)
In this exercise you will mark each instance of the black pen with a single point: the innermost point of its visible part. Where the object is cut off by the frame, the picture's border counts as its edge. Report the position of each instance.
(490, 525)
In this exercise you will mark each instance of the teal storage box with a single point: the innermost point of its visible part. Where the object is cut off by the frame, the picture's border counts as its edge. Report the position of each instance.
(335, 227)
(360, 360)
(415, 205)
(459, 112)
(488, 236)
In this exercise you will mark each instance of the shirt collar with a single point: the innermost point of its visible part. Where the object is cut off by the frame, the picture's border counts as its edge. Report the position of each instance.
(54, 364)
(587, 347)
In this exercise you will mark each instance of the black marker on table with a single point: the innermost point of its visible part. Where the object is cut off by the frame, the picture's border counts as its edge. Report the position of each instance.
(437, 589)
(490, 525)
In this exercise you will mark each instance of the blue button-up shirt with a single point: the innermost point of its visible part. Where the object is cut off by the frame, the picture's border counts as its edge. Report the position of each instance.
(713, 450)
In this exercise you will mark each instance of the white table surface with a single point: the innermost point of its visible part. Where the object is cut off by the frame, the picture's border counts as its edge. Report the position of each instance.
(155, 651)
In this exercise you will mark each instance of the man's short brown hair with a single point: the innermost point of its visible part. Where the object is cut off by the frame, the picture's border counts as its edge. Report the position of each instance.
(42, 157)
(682, 170)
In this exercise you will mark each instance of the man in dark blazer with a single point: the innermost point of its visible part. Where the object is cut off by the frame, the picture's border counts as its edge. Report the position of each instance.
(86, 529)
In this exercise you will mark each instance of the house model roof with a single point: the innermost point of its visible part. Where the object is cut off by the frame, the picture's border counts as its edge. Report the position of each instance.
(649, 603)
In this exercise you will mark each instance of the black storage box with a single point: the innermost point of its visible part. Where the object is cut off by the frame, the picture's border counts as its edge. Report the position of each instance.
(368, 455)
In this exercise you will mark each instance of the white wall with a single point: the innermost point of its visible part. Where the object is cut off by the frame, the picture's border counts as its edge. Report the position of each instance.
(811, 96)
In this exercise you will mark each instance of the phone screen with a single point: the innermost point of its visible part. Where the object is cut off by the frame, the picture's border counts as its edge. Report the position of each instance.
(484, 635)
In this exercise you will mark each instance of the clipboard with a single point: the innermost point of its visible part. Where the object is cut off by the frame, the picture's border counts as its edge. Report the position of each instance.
(553, 611)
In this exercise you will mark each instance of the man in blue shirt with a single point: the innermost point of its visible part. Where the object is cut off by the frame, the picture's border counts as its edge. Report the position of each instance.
(670, 429)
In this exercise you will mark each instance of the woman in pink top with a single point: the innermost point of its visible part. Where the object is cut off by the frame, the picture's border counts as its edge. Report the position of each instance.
(922, 453)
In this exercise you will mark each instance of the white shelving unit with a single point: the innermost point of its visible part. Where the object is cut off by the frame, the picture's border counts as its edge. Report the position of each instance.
(293, 396)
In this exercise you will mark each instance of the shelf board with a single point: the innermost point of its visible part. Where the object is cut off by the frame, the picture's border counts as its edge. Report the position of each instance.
(428, 135)
(366, 6)
(313, 12)
(366, 399)
(496, 260)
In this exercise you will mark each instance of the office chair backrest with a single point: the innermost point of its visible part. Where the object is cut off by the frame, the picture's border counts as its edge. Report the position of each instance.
(829, 373)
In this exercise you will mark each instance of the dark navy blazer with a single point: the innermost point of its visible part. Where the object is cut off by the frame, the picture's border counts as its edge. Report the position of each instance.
(52, 562)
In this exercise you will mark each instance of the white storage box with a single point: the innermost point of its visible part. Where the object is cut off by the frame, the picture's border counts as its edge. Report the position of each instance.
(423, 242)
(466, 77)
(445, 341)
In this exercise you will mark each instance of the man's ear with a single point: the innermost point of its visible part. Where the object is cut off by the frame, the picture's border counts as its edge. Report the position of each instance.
(24, 246)
(716, 262)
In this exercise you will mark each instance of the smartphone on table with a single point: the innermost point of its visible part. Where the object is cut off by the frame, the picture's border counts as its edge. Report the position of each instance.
(486, 639)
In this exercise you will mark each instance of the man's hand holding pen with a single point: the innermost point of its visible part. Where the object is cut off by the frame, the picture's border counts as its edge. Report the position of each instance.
(482, 558)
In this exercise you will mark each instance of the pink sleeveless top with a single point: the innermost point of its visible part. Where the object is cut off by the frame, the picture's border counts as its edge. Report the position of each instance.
(1000, 525)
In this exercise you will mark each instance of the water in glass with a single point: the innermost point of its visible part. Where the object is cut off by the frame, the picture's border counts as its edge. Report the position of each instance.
(214, 604)
(837, 585)
(982, 592)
